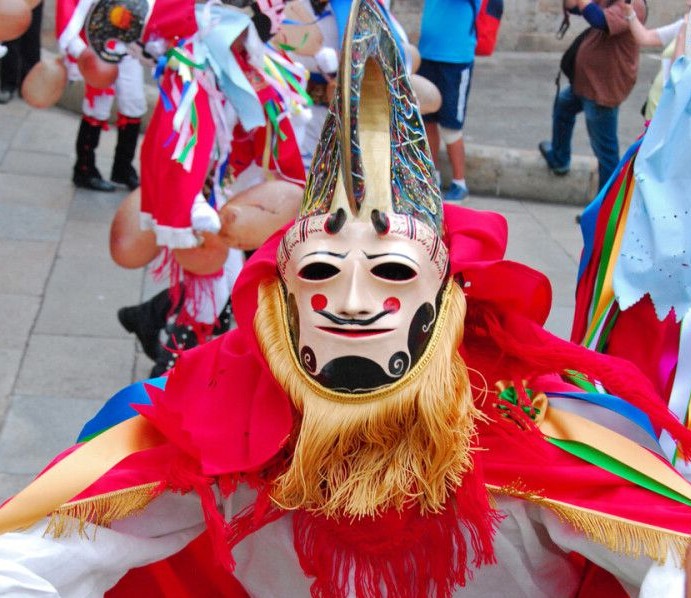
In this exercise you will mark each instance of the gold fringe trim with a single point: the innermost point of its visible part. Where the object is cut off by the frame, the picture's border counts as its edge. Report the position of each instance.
(410, 444)
(617, 534)
(99, 510)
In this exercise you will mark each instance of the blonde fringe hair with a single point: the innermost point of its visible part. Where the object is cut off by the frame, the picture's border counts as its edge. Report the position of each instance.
(359, 455)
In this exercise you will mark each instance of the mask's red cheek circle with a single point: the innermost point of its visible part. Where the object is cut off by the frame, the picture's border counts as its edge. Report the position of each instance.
(392, 305)
(318, 302)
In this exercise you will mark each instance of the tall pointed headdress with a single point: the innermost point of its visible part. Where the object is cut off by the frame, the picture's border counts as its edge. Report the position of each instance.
(373, 156)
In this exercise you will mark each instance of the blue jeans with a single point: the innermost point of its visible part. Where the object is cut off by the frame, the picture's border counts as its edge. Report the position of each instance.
(601, 122)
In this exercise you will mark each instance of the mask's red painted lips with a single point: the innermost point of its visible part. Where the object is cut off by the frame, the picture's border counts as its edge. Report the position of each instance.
(359, 333)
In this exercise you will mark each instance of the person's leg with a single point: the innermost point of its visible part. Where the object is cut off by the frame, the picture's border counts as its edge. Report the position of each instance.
(30, 43)
(9, 72)
(456, 149)
(602, 123)
(432, 130)
(558, 154)
(146, 321)
(456, 87)
(429, 70)
(129, 91)
(456, 153)
(96, 110)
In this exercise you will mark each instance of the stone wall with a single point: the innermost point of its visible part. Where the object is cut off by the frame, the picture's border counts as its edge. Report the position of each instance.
(530, 25)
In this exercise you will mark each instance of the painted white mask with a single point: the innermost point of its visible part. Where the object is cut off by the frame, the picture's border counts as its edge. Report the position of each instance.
(362, 305)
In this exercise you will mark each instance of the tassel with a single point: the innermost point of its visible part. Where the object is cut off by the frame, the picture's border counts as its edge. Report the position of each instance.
(100, 510)
(403, 554)
(618, 535)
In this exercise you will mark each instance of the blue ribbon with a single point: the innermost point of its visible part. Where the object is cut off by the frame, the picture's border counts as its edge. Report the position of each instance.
(119, 407)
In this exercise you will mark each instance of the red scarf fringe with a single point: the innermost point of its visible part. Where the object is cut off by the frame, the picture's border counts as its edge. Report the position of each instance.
(398, 554)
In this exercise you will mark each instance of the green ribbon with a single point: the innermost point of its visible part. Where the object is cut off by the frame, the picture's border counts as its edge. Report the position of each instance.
(272, 113)
(603, 461)
(288, 76)
(608, 241)
(578, 379)
(289, 48)
(193, 139)
(182, 57)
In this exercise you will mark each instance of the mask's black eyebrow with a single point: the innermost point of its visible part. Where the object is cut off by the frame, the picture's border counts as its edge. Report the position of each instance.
(374, 256)
(330, 253)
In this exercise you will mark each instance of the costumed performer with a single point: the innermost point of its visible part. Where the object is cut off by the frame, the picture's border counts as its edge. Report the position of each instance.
(389, 418)
(632, 298)
(219, 118)
(128, 89)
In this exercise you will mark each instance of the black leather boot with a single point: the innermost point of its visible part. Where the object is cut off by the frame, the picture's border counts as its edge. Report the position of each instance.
(123, 172)
(86, 175)
(146, 321)
(182, 335)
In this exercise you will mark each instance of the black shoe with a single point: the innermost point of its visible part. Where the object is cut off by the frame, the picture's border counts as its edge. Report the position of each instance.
(95, 183)
(6, 95)
(545, 148)
(126, 175)
(146, 332)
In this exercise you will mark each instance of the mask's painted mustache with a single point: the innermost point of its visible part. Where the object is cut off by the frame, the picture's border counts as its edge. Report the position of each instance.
(355, 321)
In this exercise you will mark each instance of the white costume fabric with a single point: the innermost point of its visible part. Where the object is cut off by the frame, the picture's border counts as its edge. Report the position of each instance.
(128, 91)
(656, 244)
(531, 546)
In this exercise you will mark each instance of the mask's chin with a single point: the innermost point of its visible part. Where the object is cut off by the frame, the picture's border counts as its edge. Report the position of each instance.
(354, 374)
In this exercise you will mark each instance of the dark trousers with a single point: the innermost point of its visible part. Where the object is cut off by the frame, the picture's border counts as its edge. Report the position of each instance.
(22, 53)
(601, 123)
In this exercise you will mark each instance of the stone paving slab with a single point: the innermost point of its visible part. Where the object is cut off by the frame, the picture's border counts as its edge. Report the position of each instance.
(25, 265)
(29, 163)
(45, 131)
(19, 314)
(80, 239)
(94, 207)
(75, 367)
(10, 360)
(82, 296)
(32, 189)
(32, 417)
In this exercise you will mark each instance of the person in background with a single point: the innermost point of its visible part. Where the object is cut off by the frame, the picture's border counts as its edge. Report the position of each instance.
(22, 54)
(447, 48)
(605, 73)
(671, 38)
(128, 90)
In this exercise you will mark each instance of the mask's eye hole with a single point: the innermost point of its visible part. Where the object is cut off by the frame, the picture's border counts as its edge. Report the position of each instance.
(394, 271)
(318, 271)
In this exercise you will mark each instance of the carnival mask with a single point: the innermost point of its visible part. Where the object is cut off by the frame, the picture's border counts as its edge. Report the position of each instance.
(362, 304)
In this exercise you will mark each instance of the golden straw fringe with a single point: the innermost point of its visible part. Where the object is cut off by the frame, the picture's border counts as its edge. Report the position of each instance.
(619, 535)
(100, 510)
(358, 455)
